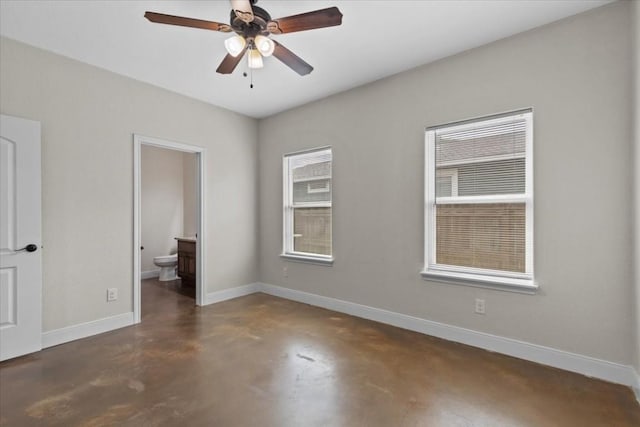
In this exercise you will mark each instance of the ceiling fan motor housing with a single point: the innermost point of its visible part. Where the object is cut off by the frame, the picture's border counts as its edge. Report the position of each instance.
(251, 29)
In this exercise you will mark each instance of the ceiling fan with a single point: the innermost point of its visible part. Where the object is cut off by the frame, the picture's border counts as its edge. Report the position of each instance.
(252, 26)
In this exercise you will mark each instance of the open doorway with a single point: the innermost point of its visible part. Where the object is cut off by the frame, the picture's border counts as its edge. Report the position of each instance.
(175, 233)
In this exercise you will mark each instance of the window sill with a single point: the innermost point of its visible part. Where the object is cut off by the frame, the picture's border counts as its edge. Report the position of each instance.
(523, 286)
(308, 259)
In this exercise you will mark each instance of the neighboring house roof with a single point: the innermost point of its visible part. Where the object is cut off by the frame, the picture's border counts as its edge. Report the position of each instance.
(495, 142)
(312, 171)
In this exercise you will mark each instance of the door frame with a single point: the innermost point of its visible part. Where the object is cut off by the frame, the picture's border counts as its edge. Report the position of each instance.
(200, 152)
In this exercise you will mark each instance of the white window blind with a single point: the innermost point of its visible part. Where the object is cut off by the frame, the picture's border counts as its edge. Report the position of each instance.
(307, 205)
(484, 229)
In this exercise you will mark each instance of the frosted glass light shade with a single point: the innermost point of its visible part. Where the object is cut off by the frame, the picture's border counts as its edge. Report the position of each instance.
(255, 59)
(234, 45)
(265, 45)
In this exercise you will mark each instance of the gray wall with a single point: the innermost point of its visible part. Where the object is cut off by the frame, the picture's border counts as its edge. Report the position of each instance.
(88, 116)
(636, 163)
(189, 190)
(576, 74)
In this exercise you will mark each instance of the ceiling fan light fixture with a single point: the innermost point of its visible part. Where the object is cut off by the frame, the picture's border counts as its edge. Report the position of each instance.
(265, 45)
(235, 45)
(255, 59)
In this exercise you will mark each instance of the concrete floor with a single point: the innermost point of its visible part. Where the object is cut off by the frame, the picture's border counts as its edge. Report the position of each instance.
(264, 361)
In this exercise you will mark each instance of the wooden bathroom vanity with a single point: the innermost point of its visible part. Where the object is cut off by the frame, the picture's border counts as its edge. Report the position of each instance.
(187, 260)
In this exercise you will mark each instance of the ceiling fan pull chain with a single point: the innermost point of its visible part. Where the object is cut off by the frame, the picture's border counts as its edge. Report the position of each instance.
(251, 71)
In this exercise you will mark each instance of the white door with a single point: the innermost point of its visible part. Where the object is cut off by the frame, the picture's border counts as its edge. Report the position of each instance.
(20, 238)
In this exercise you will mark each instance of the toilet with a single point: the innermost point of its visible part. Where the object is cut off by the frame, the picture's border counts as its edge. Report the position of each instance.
(167, 264)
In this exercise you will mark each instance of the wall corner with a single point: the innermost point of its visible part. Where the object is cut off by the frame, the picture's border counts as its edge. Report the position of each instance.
(635, 120)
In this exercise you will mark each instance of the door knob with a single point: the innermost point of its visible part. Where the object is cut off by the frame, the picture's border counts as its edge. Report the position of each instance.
(29, 248)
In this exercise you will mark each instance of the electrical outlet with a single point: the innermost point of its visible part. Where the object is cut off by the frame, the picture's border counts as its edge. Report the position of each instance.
(112, 294)
(480, 306)
(285, 271)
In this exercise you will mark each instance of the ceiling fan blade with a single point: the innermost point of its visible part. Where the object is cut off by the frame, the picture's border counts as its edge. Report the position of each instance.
(230, 62)
(161, 18)
(329, 17)
(291, 60)
(243, 10)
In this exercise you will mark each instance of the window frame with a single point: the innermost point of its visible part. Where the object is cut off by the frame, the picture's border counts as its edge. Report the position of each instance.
(479, 277)
(289, 207)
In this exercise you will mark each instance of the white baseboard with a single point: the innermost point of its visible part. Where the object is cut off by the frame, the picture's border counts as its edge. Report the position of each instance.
(149, 274)
(589, 366)
(226, 294)
(84, 330)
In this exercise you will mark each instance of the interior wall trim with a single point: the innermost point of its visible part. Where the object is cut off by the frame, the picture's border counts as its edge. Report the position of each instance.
(585, 365)
(636, 386)
(231, 293)
(149, 274)
(84, 330)
(201, 273)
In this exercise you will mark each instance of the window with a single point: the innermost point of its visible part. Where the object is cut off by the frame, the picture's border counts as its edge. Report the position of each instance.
(447, 182)
(479, 202)
(307, 206)
(318, 186)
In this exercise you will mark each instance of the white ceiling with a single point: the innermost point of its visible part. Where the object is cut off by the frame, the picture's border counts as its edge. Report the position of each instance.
(377, 39)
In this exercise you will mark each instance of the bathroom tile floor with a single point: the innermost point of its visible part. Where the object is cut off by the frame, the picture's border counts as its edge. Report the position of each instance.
(264, 361)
